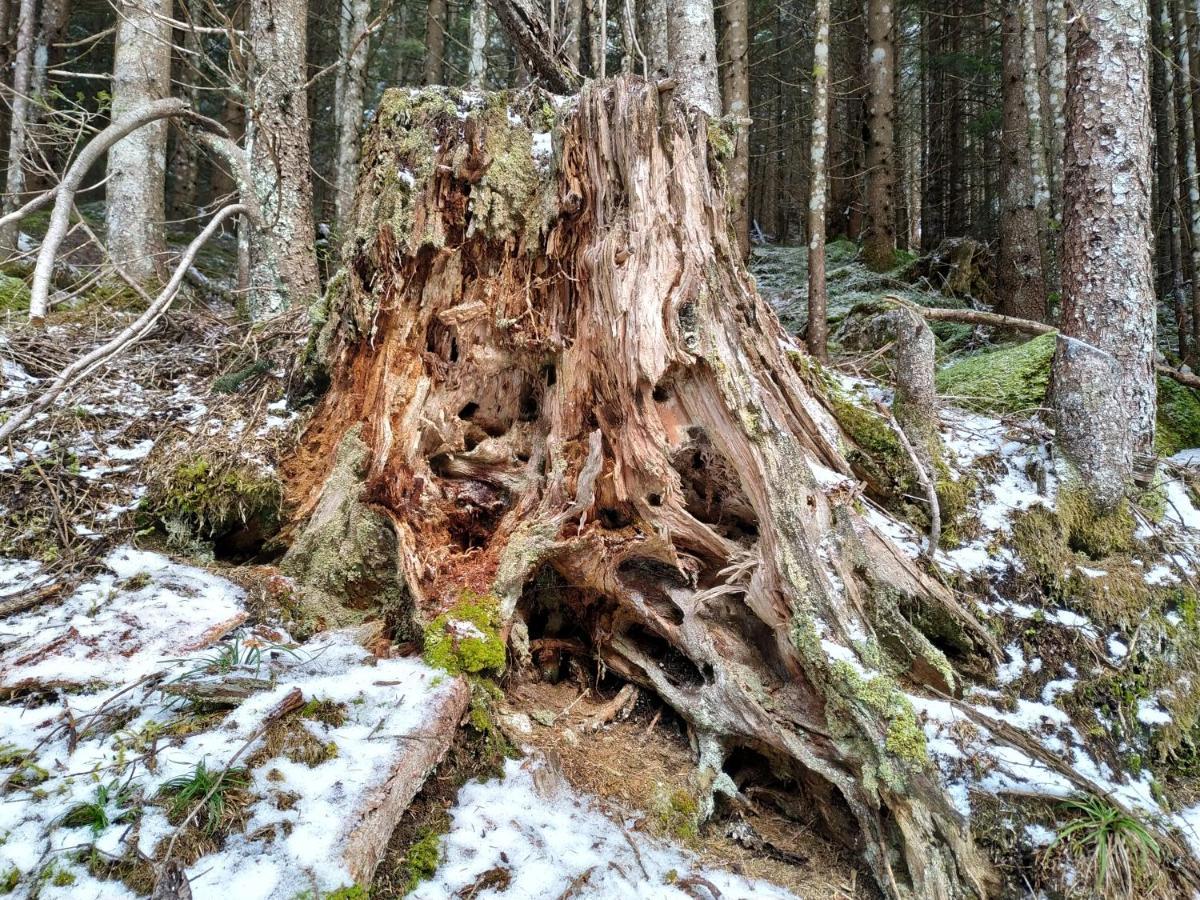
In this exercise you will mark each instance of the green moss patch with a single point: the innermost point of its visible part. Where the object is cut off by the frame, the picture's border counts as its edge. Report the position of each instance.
(14, 294)
(1009, 379)
(207, 498)
(1178, 425)
(466, 638)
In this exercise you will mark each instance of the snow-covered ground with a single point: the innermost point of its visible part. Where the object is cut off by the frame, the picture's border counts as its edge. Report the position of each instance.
(115, 740)
(547, 839)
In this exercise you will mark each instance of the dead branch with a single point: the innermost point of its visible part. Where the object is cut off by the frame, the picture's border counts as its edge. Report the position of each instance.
(531, 35)
(30, 599)
(935, 512)
(80, 367)
(1025, 326)
(64, 193)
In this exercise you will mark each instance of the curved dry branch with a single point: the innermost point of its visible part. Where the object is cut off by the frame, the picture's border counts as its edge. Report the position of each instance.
(64, 193)
(78, 369)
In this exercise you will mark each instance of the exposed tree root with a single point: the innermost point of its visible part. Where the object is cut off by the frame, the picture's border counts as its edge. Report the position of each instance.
(565, 381)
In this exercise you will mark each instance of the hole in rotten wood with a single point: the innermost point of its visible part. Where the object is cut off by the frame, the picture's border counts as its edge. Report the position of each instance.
(678, 669)
(468, 410)
(712, 489)
(656, 582)
(615, 518)
(529, 406)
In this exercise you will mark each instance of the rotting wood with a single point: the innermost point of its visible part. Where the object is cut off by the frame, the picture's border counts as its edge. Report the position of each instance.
(373, 823)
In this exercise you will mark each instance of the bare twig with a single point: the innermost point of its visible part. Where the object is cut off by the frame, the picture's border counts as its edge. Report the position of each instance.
(86, 363)
(935, 511)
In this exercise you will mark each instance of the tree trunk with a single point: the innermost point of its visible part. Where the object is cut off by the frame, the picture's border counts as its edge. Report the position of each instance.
(1104, 390)
(435, 42)
(1168, 274)
(736, 98)
(568, 378)
(354, 50)
(569, 37)
(478, 38)
(135, 209)
(1036, 152)
(1185, 150)
(18, 134)
(693, 38)
(652, 27)
(1022, 288)
(597, 16)
(1056, 91)
(283, 263)
(818, 293)
(879, 243)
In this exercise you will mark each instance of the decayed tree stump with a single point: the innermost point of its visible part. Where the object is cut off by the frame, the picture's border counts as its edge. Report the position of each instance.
(556, 362)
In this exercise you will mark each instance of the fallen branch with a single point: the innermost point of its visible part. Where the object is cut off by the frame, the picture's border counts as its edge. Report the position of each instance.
(935, 511)
(530, 33)
(80, 367)
(1025, 326)
(29, 599)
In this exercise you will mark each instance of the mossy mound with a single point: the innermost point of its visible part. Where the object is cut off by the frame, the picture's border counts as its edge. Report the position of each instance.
(466, 638)
(1083, 560)
(1178, 425)
(1012, 378)
(14, 294)
(213, 498)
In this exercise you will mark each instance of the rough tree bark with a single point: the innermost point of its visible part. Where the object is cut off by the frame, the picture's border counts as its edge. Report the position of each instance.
(652, 29)
(879, 242)
(18, 122)
(478, 38)
(135, 210)
(435, 42)
(354, 49)
(1022, 287)
(735, 46)
(283, 263)
(817, 337)
(1103, 371)
(564, 372)
(693, 43)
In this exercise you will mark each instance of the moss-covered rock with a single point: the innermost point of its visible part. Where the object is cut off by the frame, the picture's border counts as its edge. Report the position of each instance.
(346, 559)
(466, 638)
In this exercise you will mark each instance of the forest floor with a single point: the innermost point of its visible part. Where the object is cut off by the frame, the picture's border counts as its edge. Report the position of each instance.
(147, 644)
